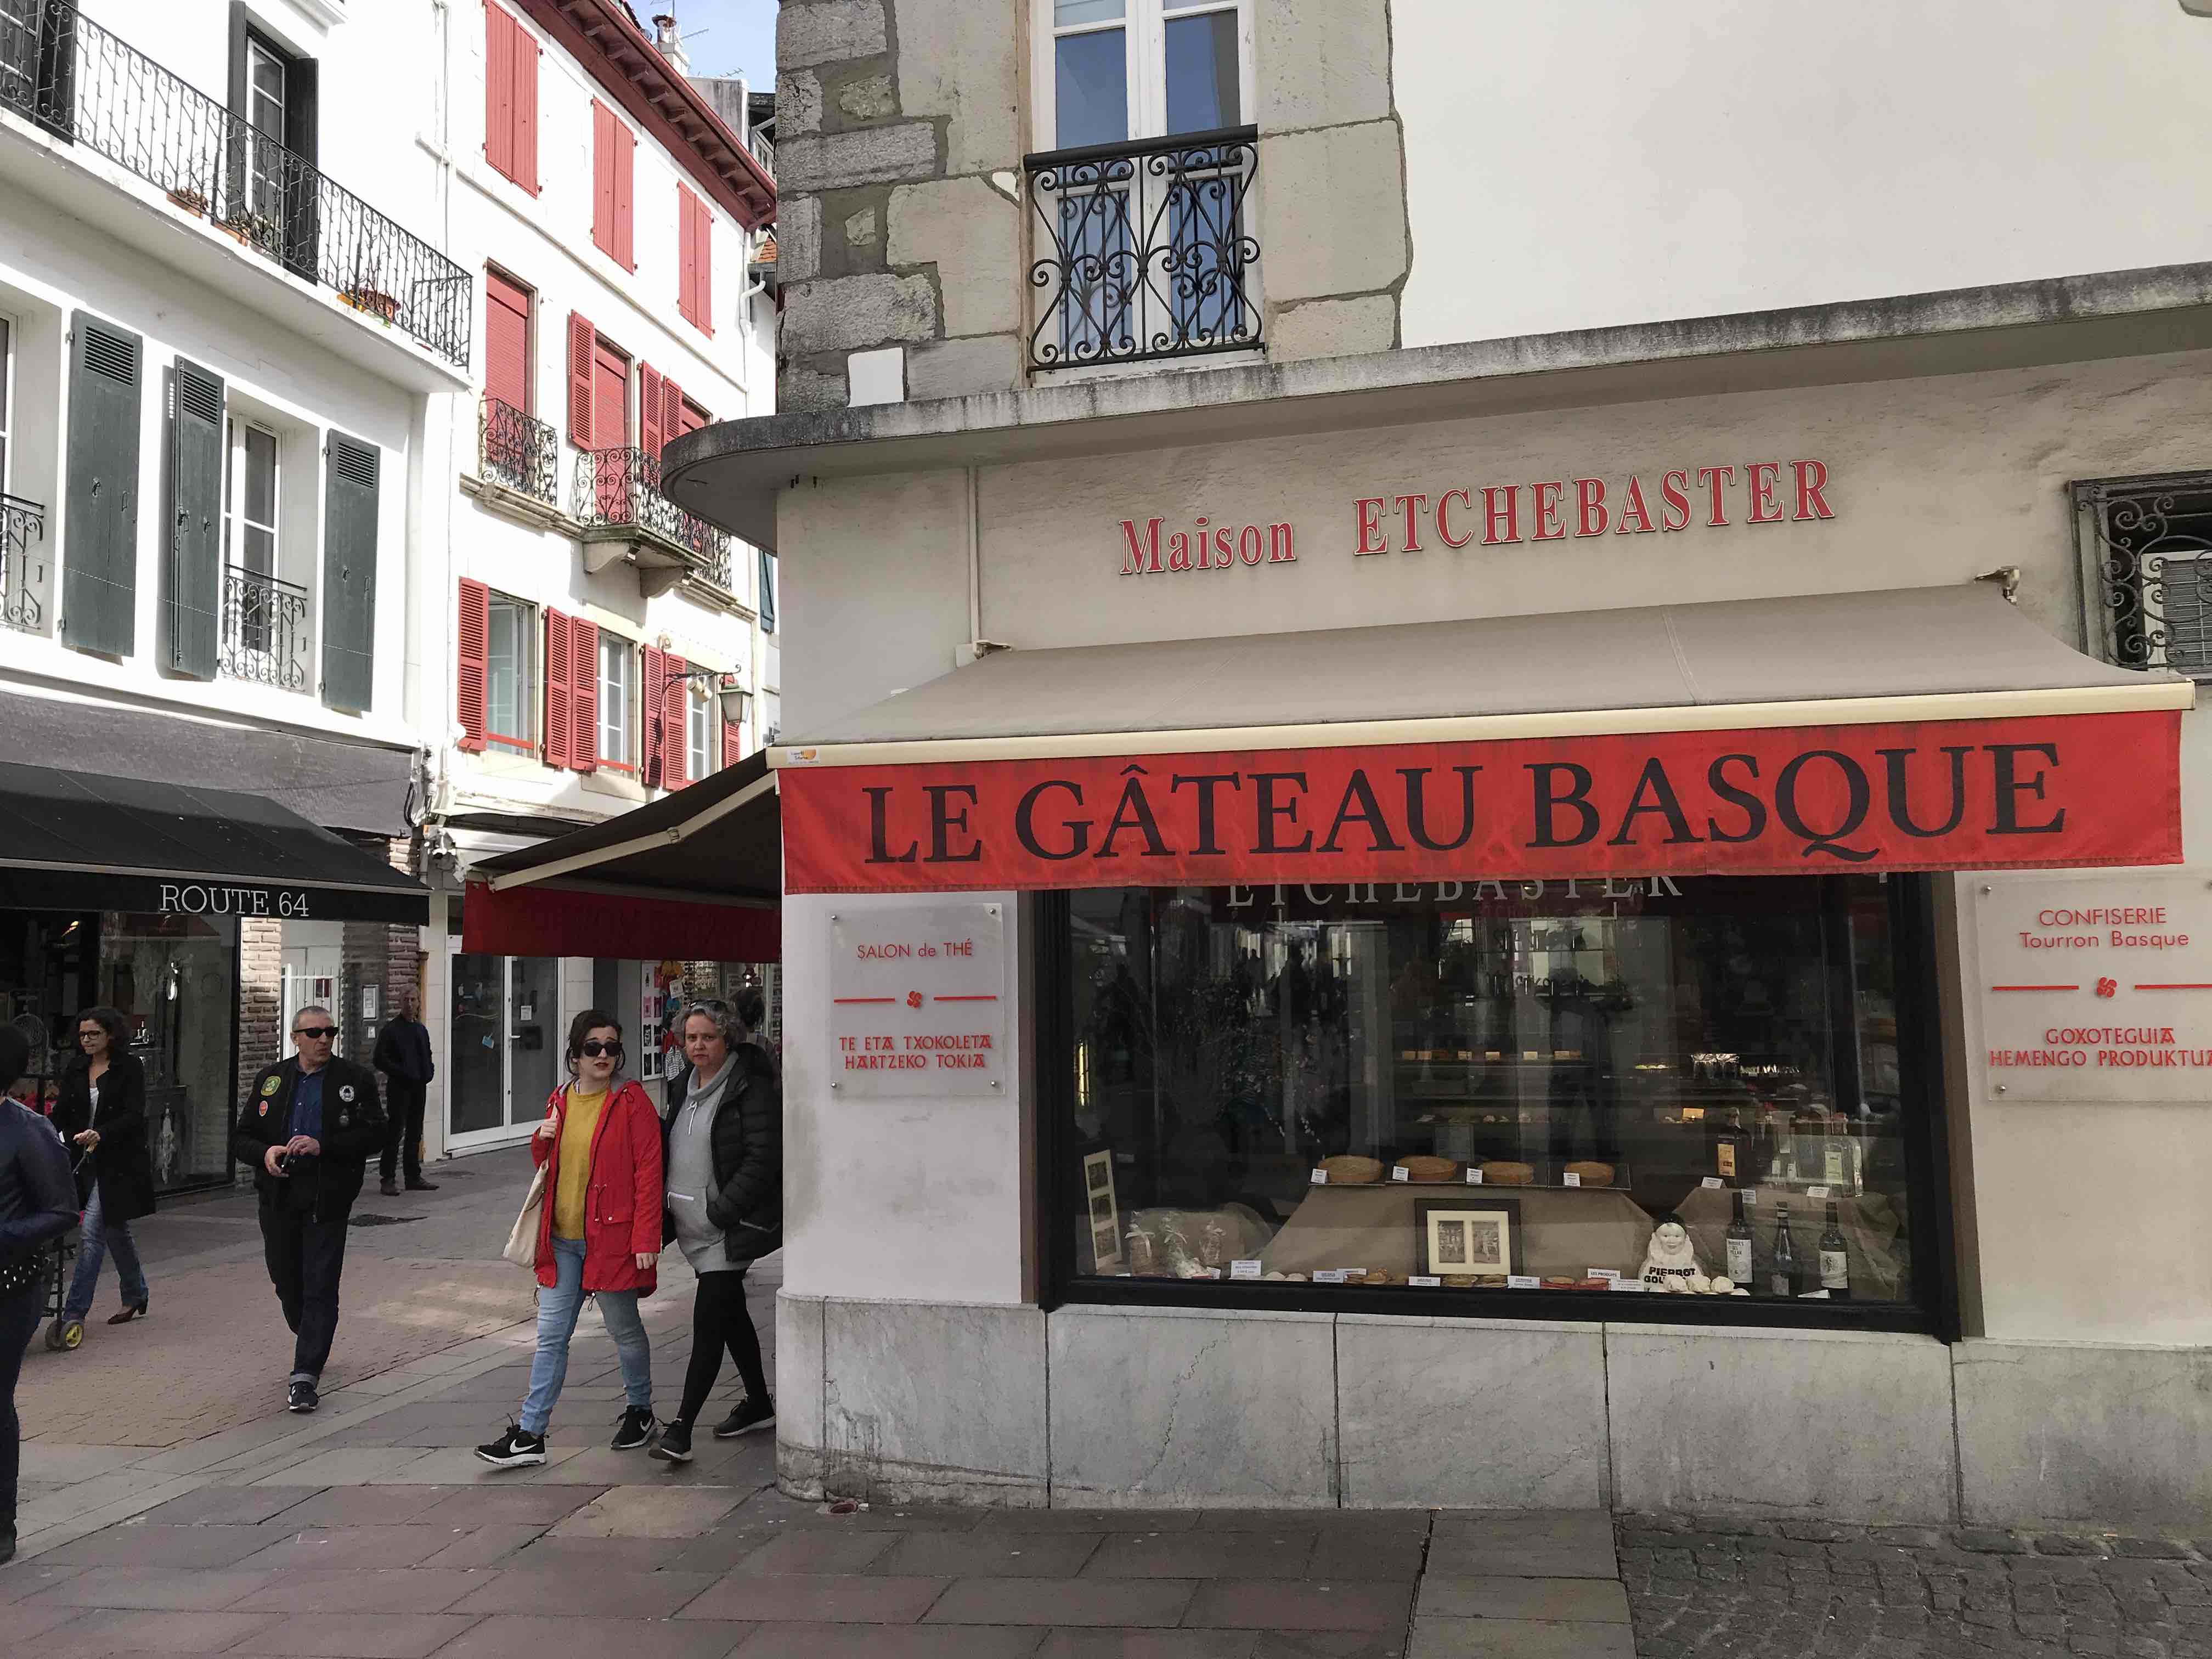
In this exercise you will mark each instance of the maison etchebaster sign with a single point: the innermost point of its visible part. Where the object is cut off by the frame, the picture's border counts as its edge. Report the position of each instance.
(1949, 794)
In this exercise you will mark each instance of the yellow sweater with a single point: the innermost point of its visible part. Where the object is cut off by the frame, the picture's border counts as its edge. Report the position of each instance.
(579, 1123)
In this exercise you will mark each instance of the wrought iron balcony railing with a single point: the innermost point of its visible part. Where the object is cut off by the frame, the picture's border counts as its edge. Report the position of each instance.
(23, 572)
(1144, 249)
(519, 451)
(264, 629)
(66, 74)
(2147, 548)
(623, 487)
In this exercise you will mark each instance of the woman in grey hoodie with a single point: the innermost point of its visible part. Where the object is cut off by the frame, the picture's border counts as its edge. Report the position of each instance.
(725, 1171)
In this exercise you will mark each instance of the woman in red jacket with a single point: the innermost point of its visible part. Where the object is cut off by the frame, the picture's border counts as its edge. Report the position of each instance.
(599, 1234)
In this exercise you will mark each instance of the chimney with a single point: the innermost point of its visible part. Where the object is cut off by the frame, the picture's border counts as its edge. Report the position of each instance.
(670, 41)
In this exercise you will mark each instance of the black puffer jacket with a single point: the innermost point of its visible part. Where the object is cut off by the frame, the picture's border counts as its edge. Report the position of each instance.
(746, 1198)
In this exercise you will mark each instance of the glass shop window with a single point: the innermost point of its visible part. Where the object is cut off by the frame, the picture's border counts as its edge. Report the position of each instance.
(1688, 1084)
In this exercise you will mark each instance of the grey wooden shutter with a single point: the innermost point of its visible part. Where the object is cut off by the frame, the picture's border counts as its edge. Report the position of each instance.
(100, 549)
(191, 597)
(349, 574)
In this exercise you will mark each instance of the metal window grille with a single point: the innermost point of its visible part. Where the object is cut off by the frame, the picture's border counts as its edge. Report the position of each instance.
(2145, 546)
(623, 487)
(23, 571)
(264, 629)
(519, 451)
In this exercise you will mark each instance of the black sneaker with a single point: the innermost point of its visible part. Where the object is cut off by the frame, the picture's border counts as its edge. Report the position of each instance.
(637, 1427)
(7, 1547)
(513, 1449)
(674, 1445)
(418, 1185)
(750, 1415)
(302, 1396)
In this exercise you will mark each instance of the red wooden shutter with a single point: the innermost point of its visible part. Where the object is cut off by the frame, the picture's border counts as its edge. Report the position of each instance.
(603, 178)
(584, 693)
(652, 754)
(560, 706)
(687, 254)
(472, 659)
(675, 699)
(610, 397)
(651, 401)
(625, 171)
(703, 266)
(671, 410)
(582, 343)
(500, 34)
(507, 341)
(733, 742)
(525, 110)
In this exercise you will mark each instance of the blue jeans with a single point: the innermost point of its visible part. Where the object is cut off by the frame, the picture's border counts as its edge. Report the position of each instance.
(558, 1309)
(99, 1236)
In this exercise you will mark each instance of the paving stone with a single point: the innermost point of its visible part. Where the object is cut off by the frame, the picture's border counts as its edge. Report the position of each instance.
(99, 1634)
(1318, 1644)
(415, 1589)
(829, 1598)
(2150, 1549)
(226, 1506)
(2059, 1543)
(1987, 1540)
(512, 1505)
(1272, 1603)
(358, 1636)
(1576, 1599)
(1202, 1555)
(359, 1506)
(650, 1512)
(1146, 1645)
(521, 1636)
(611, 1594)
(897, 1642)
(162, 1546)
(985, 1555)
(154, 1587)
(349, 1549)
(1137, 1603)
(1516, 1638)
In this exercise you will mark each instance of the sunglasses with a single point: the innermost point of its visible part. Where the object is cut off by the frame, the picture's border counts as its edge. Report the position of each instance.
(325, 1032)
(594, 1048)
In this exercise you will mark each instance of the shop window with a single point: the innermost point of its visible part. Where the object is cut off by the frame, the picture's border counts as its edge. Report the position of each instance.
(1499, 1090)
(2145, 546)
(617, 708)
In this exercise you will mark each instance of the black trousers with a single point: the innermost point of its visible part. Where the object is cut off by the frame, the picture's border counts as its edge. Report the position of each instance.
(403, 1105)
(306, 1257)
(19, 1321)
(719, 1320)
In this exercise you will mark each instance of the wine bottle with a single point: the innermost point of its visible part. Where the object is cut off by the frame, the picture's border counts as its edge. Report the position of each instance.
(1781, 1273)
(1835, 1262)
(1739, 1247)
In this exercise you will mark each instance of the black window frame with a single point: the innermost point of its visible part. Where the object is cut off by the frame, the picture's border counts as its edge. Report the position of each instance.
(1934, 1310)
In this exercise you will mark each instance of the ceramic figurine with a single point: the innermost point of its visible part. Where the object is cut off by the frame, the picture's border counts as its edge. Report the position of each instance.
(1670, 1263)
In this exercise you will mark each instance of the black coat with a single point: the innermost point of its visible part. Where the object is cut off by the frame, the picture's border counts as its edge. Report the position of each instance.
(353, 1133)
(746, 1140)
(122, 1166)
(403, 1051)
(38, 1203)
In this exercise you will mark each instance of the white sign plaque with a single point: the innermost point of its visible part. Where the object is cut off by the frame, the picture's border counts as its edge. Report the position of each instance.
(2097, 989)
(917, 1001)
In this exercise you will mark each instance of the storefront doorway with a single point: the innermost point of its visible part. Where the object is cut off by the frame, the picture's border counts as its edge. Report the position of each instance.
(506, 1041)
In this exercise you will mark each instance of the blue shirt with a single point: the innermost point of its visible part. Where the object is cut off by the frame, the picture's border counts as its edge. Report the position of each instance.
(307, 1104)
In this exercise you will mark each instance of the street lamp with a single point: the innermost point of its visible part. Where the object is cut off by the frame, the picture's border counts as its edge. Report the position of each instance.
(729, 692)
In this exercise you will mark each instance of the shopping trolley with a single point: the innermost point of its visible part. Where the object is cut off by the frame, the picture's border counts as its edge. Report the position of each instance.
(64, 1334)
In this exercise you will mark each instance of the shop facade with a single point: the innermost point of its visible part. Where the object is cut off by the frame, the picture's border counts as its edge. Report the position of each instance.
(1433, 827)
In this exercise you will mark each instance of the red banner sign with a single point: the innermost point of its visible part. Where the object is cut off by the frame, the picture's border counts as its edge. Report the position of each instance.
(2071, 790)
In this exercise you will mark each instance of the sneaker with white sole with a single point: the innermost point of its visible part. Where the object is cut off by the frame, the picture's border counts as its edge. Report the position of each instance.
(514, 1448)
(674, 1445)
(635, 1430)
(751, 1414)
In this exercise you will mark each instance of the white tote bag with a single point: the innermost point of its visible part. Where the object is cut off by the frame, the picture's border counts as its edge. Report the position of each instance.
(522, 1244)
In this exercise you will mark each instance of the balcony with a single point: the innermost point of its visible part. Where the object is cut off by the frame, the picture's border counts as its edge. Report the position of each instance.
(23, 572)
(1143, 251)
(518, 452)
(264, 629)
(763, 150)
(82, 86)
(618, 502)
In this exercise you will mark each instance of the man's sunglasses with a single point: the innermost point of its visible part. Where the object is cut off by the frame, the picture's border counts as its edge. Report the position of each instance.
(323, 1032)
(594, 1048)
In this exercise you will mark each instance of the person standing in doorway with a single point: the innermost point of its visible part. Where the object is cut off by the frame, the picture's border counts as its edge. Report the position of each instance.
(38, 1205)
(102, 1115)
(402, 1055)
(308, 1127)
(725, 1199)
(599, 1235)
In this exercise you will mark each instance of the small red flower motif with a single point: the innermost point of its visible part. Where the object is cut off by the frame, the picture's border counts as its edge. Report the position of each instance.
(2106, 987)
(913, 999)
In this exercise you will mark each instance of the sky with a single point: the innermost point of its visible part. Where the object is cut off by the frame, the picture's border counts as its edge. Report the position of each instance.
(725, 37)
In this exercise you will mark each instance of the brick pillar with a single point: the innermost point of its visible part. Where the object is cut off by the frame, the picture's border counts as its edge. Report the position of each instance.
(260, 1003)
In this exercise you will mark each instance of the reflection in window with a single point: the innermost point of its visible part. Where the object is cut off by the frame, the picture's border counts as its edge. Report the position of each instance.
(510, 677)
(1201, 72)
(614, 701)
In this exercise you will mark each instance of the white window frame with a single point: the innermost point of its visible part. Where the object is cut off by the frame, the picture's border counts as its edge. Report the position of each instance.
(616, 714)
(698, 734)
(258, 170)
(13, 331)
(528, 681)
(235, 521)
(1144, 26)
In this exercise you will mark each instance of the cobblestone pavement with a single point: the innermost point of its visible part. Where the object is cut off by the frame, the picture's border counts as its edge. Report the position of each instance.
(1711, 1589)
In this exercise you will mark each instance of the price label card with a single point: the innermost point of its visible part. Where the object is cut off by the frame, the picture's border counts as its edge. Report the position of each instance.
(1523, 1282)
(1628, 1285)
(1475, 1177)
(1711, 1180)
(1328, 1276)
(1320, 1177)
(1351, 1274)
(1816, 1191)
(1427, 1279)
(1602, 1272)
(1571, 1179)
(1750, 1194)
(1244, 1270)
(1694, 1115)
(1400, 1172)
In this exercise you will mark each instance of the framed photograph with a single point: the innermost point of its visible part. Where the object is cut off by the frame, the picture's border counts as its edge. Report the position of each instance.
(1105, 1213)
(1458, 1235)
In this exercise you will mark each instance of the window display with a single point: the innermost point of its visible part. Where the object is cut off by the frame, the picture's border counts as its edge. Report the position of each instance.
(1682, 1087)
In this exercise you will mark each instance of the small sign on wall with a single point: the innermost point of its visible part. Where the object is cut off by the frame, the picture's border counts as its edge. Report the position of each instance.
(2097, 989)
(917, 1001)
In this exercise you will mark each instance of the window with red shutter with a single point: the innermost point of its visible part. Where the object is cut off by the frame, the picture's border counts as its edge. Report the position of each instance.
(625, 179)
(733, 742)
(609, 396)
(472, 663)
(651, 401)
(510, 98)
(525, 110)
(583, 343)
(655, 750)
(507, 341)
(560, 702)
(671, 410)
(584, 690)
(603, 177)
(694, 260)
(676, 740)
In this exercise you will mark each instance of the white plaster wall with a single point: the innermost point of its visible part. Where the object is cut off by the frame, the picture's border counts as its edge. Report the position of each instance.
(1577, 166)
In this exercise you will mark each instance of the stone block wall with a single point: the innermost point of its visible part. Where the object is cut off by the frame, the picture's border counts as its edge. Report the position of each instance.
(260, 1005)
(903, 220)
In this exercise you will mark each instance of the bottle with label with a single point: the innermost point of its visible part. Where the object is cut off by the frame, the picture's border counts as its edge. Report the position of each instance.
(1732, 1149)
(1781, 1277)
(1739, 1247)
(1835, 1262)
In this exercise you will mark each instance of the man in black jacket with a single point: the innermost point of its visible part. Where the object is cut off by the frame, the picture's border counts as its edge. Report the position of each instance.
(307, 1129)
(402, 1055)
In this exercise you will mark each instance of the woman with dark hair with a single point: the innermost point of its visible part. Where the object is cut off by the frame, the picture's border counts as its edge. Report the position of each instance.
(725, 1200)
(599, 1235)
(38, 1205)
(102, 1115)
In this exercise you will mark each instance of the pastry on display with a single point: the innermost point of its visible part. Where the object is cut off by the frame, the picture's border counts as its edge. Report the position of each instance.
(1426, 1169)
(1349, 1170)
(1593, 1173)
(1505, 1172)
(1554, 1283)
(1461, 1281)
